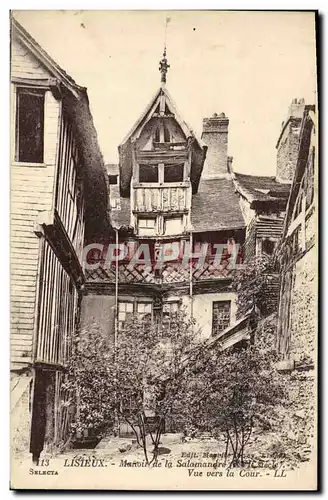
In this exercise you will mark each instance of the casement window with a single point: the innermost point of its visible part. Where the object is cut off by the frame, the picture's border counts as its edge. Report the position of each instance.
(173, 225)
(220, 316)
(173, 173)
(148, 173)
(144, 309)
(29, 144)
(169, 310)
(128, 308)
(146, 226)
(125, 309)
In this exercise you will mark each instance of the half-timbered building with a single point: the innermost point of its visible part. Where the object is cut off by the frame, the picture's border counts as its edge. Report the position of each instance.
(58, 198)
(171, 195)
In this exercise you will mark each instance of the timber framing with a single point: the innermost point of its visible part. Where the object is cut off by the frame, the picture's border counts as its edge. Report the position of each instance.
(63, 248)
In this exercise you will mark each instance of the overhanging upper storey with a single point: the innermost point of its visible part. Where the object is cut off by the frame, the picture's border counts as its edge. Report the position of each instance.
(161, 137)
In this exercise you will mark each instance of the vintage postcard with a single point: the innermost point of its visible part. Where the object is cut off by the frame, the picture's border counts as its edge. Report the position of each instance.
(164, 250)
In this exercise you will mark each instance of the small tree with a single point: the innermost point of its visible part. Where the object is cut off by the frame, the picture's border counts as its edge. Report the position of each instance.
(141, 379)
(151, 365)
(256, 285)
(88, 383)
(236, 391)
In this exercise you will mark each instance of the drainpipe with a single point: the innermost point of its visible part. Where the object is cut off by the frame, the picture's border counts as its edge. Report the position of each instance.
(116, 289)
(116, 417)
(190, 277)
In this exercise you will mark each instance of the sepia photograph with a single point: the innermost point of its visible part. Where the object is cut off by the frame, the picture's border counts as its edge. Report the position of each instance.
(164, 250)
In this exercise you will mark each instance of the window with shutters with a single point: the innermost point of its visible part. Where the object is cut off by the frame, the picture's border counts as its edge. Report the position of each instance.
(220, 316)
(29, 147)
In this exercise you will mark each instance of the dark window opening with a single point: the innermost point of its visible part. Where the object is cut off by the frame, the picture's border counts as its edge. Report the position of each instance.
(148, 173)
(29, 125)
(268, 246)
(167, 135)
(157, 135)
(220, 316)
(173, 173)
(112, 179)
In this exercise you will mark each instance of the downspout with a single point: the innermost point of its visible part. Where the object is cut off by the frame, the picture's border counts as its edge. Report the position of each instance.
(190, 278)
(116, 288)
(116, 417)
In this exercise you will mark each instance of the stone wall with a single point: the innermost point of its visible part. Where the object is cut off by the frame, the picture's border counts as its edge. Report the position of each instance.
(304, 308)
(287, 152)
(288, 142)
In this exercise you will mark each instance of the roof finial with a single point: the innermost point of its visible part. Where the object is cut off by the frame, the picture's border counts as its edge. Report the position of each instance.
(163, 64)
(163, 67)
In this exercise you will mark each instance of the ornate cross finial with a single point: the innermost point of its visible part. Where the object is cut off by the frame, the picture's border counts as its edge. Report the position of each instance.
(163, 67)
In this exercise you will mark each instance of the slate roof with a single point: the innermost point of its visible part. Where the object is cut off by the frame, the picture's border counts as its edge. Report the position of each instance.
(216, 206)
(261, 188)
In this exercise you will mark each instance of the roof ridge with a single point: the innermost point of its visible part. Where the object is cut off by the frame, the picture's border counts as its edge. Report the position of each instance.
(41, 54)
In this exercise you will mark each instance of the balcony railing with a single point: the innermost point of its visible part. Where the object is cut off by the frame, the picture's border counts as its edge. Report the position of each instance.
(160, 198)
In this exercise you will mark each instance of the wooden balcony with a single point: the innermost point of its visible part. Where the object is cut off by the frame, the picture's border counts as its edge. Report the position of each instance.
(160, 198)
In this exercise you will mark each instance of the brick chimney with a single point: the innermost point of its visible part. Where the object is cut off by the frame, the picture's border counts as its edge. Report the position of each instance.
(215, 136)
(288, 141)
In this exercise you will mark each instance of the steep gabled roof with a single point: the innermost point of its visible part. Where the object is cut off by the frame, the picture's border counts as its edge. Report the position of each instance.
(150, 110)
(32, 45)
(76, 102)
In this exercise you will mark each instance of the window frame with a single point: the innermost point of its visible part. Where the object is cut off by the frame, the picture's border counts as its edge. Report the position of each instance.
(135, 303)
(215, 331)
(166, 320)
(33, 89)
(145, 218)
(166, 218)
